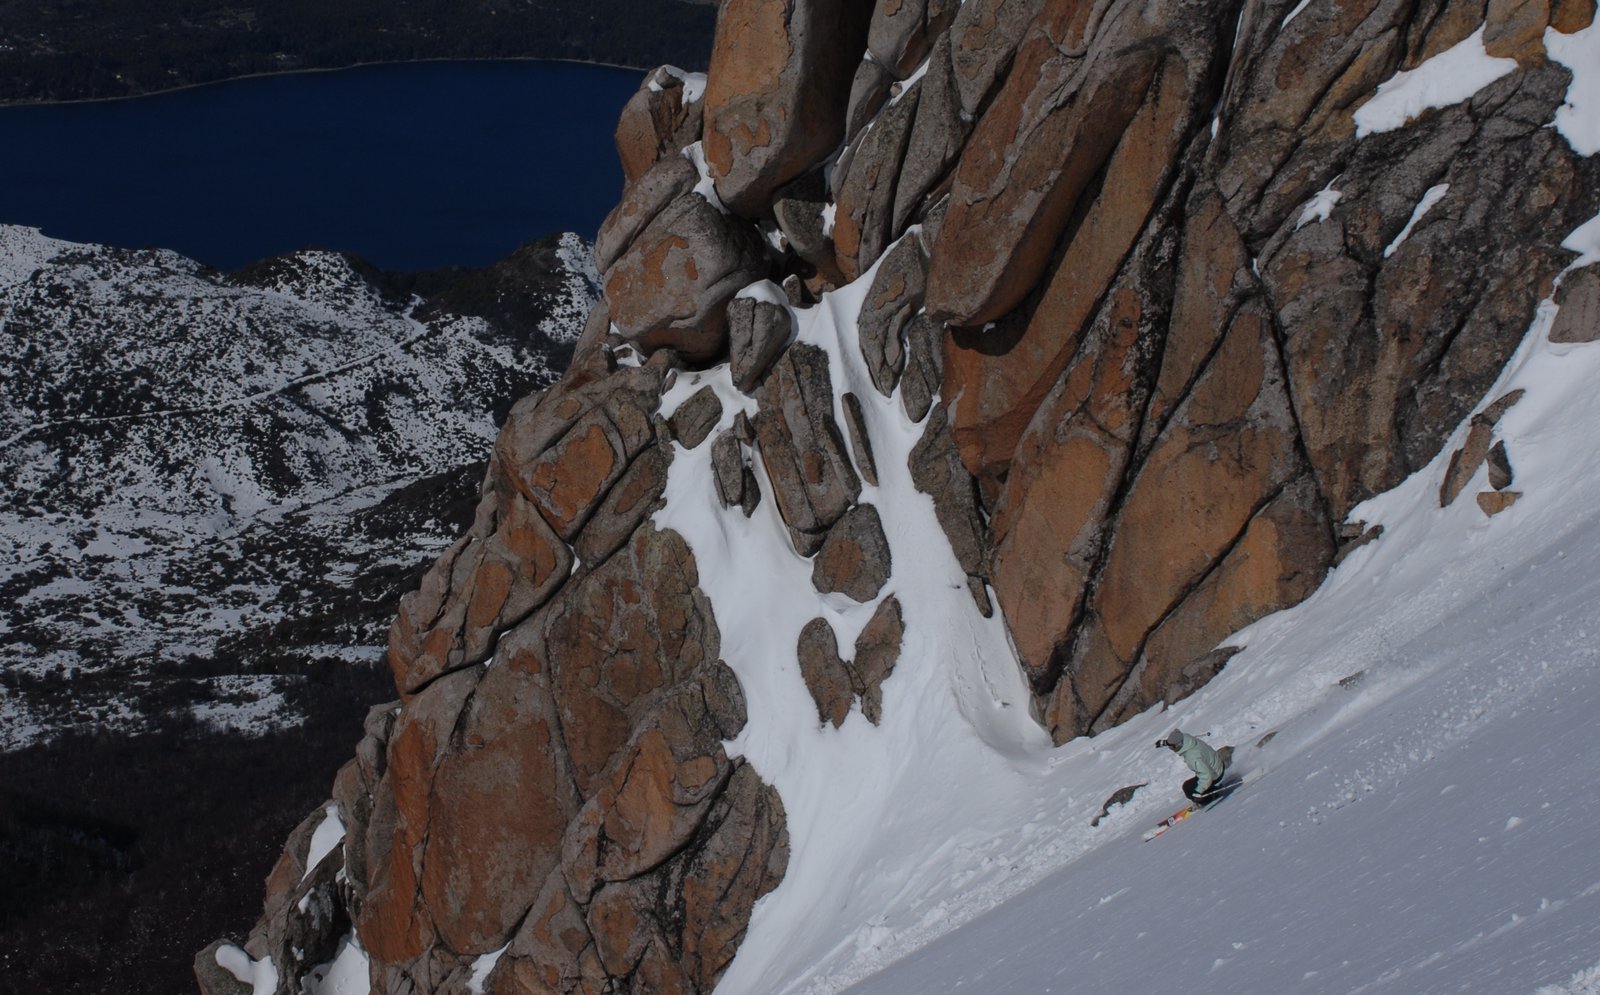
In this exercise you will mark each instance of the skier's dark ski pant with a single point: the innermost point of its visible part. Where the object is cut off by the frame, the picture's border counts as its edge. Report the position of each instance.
(1194, 782)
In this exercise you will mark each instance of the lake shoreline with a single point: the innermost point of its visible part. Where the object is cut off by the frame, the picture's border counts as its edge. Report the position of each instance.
(317, 70)
(413, 166)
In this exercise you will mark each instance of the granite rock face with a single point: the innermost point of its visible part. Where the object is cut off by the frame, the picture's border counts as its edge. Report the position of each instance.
(671, 286)
(1159, 313)
(775, 100)
(663, 117)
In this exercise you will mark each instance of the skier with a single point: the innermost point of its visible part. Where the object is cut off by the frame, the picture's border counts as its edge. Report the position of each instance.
(1208, 767)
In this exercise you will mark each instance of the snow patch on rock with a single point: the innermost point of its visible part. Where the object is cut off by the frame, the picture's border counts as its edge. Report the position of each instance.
(1430, 197)
(1578, 118)
(1319, 208)
(1448, 78)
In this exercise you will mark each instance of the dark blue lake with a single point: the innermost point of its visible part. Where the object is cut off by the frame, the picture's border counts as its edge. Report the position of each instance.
(413, 166)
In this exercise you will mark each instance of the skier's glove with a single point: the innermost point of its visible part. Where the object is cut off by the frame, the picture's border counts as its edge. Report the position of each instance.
(1161, 743)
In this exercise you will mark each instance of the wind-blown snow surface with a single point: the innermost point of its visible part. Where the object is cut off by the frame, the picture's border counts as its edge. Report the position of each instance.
(1421, 826)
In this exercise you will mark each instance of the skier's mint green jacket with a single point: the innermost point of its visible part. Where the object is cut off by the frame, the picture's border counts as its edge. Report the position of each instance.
(1203, 760)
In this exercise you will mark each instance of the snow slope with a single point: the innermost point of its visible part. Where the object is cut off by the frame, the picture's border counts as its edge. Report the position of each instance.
(1420, 821)
(1418, 739)
(1430, 659)
(1428, 830)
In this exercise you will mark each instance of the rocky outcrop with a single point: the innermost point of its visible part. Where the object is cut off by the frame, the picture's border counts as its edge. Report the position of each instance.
(865, 180)
(813, 479)
(1579, 318)
(659, 121)
(643, 200)
(557, 752)
(671, 286)
(1159, 313)
(1170, 424)
(837, 684)
(854, 558)
(775, 101)
(1465, 461)
(695, 418)
(894, 300)
(759, 331)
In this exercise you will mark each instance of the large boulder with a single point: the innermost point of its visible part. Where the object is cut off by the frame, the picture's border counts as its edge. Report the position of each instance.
(395, 924)
(758, 333)
(776, 98)
(1002, 375)
(800, 210)
(1579, 317)
(659, 121)
(696, 417)
(645, 197)
(672, 285)
(870, 88)
(1279, 560)
(1050, 524)
(902, 32)
(984, 37)
(938, 135)
(865, 180)
(802, 449)
(827, 676)
(936, 470)
(894, 299)
(1228, 449)
(854, 559)
(479, 586)
(877, 651)
(735, 482)
(1065, 109)
(924, 372)
(837, 684)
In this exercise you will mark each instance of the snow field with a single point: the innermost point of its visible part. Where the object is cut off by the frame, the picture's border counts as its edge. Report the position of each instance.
(1579, 118)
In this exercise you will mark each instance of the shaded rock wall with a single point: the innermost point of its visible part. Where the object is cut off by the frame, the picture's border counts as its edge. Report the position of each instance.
(1141, 283)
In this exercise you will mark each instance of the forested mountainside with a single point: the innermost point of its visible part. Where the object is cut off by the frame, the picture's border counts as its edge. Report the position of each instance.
(95, 49)
(965, 375)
